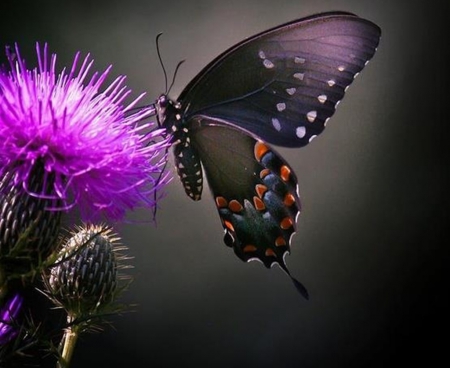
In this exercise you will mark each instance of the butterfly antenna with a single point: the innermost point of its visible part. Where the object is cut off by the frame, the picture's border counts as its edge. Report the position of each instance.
(175, 74)
(160, 60)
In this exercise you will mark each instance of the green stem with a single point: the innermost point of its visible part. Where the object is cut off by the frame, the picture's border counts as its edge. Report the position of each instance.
(69, 341)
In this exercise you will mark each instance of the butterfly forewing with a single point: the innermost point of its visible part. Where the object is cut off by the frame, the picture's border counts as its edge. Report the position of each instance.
(284, 84)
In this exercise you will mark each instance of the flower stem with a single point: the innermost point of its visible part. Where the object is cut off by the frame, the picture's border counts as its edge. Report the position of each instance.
(68, 341)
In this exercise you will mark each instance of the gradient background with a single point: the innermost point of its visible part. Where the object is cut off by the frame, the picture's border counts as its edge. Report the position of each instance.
(370, 247)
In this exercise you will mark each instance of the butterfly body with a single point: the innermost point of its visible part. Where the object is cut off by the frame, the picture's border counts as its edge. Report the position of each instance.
(278, 87)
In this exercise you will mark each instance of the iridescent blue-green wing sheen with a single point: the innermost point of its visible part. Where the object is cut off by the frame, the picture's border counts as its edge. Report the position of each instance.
(254, 189)
(283, 84)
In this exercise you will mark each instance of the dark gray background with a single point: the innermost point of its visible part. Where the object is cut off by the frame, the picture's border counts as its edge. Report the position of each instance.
(369, 244)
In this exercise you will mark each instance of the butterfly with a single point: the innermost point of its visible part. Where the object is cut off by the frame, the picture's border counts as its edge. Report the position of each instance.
(278, 87)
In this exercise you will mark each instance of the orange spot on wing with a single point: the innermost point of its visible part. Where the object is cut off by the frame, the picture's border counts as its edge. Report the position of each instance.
(228, 225)
(270, 253)
(221, 202)
(249, 249)
(286, 223)
(260, 189)
(259, 204)
(235, 206)
(260, 150)
(264, 173)
(280, 242)
(289, 199)
(285, 172)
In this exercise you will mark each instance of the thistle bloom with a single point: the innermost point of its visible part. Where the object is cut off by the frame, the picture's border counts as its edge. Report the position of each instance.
(8, 315)
(92, 151)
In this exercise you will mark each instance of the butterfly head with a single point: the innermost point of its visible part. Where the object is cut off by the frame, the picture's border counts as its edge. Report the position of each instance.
(168, 113)
(161, 106)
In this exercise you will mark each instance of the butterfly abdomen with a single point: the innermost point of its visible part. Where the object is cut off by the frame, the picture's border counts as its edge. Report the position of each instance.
(189, 168)
(187, 161)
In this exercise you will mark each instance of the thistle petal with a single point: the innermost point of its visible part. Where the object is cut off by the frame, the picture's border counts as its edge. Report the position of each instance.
(8, 318)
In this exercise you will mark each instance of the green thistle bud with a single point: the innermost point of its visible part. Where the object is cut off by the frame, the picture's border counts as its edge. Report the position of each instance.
(85, 278)
(28, 228)
(86, 281)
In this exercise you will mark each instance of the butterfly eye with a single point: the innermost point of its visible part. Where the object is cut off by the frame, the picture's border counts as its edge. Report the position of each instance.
(161, 105)
(163, 101)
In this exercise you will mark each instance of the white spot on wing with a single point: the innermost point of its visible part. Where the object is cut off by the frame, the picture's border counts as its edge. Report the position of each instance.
(331, 82)
(261, 54)
(341, 68)
(276, 124)
(300, 131)
(322, 98)
(299, 60)
(268, 64)
(312, 137)
(291, 91)
(299, 76)
(311, 116)
(281, 106)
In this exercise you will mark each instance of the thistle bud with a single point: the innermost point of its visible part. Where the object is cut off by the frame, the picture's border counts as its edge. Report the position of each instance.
(85, 278)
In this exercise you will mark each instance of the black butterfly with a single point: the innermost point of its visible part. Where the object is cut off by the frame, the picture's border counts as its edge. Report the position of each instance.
(280, 87)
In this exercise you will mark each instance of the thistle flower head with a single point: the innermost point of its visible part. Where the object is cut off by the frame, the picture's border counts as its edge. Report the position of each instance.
(87, 276)
(9, 312)
(95, 153)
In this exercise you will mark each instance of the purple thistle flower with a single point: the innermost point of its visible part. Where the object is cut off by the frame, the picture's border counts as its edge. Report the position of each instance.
(96, 154)
(8, 318)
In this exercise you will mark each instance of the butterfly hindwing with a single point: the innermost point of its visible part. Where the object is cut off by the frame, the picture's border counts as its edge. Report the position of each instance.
(284, 84)
(254, 189)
